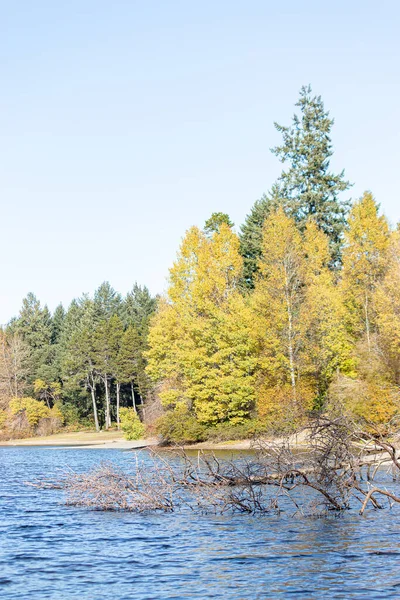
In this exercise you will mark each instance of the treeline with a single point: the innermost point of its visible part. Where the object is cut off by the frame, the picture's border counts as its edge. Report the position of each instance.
(305, 337)
(81, 364)
(298, 312)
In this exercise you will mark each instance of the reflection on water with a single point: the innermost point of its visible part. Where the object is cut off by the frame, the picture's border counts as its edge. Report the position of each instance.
(48, 550)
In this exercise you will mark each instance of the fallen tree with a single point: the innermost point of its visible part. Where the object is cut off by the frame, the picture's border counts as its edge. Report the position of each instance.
(334, 472)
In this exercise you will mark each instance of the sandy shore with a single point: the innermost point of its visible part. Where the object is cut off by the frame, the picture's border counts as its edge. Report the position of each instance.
(84, 439)
(115, 439)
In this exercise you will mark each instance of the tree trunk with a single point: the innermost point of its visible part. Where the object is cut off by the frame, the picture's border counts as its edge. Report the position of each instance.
(290, 343)
(133, 398)
(367, 328)
(118, 390)
(108, 414)
(96, 418)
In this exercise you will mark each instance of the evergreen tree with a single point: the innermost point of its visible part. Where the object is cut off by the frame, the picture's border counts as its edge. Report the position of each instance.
(214, 223)
(34, 323)
(138, 307)
(78, 364)
(34, 326)
(106, 341)
(57, 324)
(131, 363)
(308, 188)
(251, 233)
(107, 301)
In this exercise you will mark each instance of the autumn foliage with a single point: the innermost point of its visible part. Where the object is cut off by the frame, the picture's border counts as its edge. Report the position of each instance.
(307, 335)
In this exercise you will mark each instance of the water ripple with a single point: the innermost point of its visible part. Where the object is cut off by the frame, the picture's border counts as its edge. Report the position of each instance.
(49, 551)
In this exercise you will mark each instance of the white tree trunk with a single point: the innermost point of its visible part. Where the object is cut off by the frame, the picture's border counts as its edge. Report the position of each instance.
(108, 413)
(118, 390)
(133, 398)
(96, 418)
(367, 327)
(290, 342)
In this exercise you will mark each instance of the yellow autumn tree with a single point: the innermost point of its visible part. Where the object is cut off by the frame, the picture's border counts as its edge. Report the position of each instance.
(386, 303)
(276, 304)
(200, 348)
(298, 321)
(364, 264)
(368, 288)
(326, 346)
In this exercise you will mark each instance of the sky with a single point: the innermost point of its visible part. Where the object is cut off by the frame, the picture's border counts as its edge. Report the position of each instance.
(123, 123)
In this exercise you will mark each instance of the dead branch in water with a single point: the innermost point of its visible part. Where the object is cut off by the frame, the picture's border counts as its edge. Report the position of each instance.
(333, 471)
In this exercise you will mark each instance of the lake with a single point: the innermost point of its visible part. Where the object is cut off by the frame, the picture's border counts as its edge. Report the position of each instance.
(48, 550)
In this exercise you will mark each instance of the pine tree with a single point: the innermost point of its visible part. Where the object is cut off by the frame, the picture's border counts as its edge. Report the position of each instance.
(131, 363)
(78, 363)
(251, 233)
(107, 301)
(57, 324)
(106, 340)
(214, 223)
(34, 326)
(138, 307)
(308, 188)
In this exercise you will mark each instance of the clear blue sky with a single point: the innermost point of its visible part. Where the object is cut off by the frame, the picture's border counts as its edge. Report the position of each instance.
(125, 122)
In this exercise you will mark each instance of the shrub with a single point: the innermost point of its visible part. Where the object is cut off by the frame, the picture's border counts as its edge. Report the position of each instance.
(33, 415)
(70, 413)
(373, 405)
(33, 409)
(179, 426)
(224, 432)
(131, 425)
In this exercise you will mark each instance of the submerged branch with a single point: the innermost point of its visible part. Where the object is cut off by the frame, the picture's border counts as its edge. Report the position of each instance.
(329, 474)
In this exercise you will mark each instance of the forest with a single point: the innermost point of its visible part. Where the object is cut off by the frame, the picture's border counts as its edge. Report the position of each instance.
(297, 313)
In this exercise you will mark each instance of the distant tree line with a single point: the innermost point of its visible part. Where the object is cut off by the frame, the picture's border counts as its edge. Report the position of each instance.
(89, 359)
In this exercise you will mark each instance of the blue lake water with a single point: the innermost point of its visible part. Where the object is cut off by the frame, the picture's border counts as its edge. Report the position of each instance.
(48, 550)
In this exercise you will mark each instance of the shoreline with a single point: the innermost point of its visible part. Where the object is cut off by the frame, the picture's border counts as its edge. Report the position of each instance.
(106, 440)
(110, 441)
